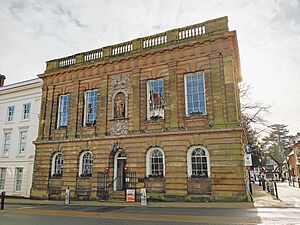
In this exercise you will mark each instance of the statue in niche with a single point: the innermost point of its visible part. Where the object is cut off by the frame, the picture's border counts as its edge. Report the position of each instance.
(119, 106)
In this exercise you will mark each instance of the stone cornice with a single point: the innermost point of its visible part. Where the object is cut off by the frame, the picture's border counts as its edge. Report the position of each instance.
(144, 135)
(21, 86)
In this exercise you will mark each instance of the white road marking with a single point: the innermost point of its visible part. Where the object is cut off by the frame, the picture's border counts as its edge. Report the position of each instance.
(27, 207)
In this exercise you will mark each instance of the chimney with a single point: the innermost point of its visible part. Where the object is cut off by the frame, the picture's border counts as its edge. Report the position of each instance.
(2, 78)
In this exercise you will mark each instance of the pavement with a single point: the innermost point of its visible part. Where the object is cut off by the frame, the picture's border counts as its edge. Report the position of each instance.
(289, 197)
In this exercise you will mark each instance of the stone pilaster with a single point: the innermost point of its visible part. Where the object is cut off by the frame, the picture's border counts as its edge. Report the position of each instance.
(72, 128)
(70, 172)
(134, 102)
(40, 180)
(42, 113)
(173, 97)
(217, 92)
(48, 116)
(231, 92)
(102, 109)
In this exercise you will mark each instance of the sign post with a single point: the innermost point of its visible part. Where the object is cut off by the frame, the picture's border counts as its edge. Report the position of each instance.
(248, 164)
(67, 199)
(248, 159)
(143, 197)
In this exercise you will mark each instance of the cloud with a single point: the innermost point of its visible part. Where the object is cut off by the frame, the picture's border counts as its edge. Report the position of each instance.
(268, 32)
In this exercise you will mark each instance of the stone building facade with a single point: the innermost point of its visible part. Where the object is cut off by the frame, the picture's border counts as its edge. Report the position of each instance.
(19, 109)
(164, 108)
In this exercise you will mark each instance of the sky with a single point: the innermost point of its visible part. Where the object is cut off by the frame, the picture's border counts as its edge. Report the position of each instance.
(35, 31)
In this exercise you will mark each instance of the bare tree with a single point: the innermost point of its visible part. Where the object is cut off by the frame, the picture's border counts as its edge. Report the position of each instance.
(253, 111)
(253, 122)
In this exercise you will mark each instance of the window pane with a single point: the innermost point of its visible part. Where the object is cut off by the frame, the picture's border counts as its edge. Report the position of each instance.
(156, 163)
(195, 93)
(199, 163)
(58, 167)
(64, 106)
(2, 178)
(6, 142)
(87, 164)
(22, 142)
(26, 111)
(91, 107)
(156, 99)
(10, 113)
(18, 179)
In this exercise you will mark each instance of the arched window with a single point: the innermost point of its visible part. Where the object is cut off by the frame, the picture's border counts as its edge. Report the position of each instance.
(86, 164)
(198, 162)
(155, 163)
(57, 164)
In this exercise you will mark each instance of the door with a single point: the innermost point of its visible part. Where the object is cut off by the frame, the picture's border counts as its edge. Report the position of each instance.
(119, 171)
(120, 174)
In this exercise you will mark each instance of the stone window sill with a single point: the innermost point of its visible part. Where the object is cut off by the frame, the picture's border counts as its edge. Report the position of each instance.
(162, 120)
(116, 119)
(193, 117)
(24, 120)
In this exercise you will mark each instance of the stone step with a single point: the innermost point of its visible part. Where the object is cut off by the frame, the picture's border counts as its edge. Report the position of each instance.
(117, 195)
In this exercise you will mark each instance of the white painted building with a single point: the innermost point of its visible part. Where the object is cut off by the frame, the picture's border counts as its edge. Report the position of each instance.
(19, 117)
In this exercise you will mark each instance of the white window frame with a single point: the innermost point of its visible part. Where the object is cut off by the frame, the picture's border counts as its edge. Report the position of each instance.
(22, 142)
(86, 106)
(81, 163)
(3, 171)
(148, 98)
(54, 164)
(148, 166)
(186, 92)
(6, 143)
(18, 179)
(10, 113)
(60, 112)
(189, 160)
(26, 111)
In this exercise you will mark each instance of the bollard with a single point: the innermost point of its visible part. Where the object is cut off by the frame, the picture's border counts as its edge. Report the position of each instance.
(2, 199)
(275, 189)
(143, 197)
(67, 198)
(263, 184)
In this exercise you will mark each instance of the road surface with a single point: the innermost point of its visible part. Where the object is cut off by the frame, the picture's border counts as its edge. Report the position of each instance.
(110, 215)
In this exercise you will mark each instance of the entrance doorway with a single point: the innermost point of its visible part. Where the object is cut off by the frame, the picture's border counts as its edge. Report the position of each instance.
(119, 171)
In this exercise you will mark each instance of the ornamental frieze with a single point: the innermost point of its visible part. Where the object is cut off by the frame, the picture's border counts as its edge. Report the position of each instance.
(120, 82)
(119, 127)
